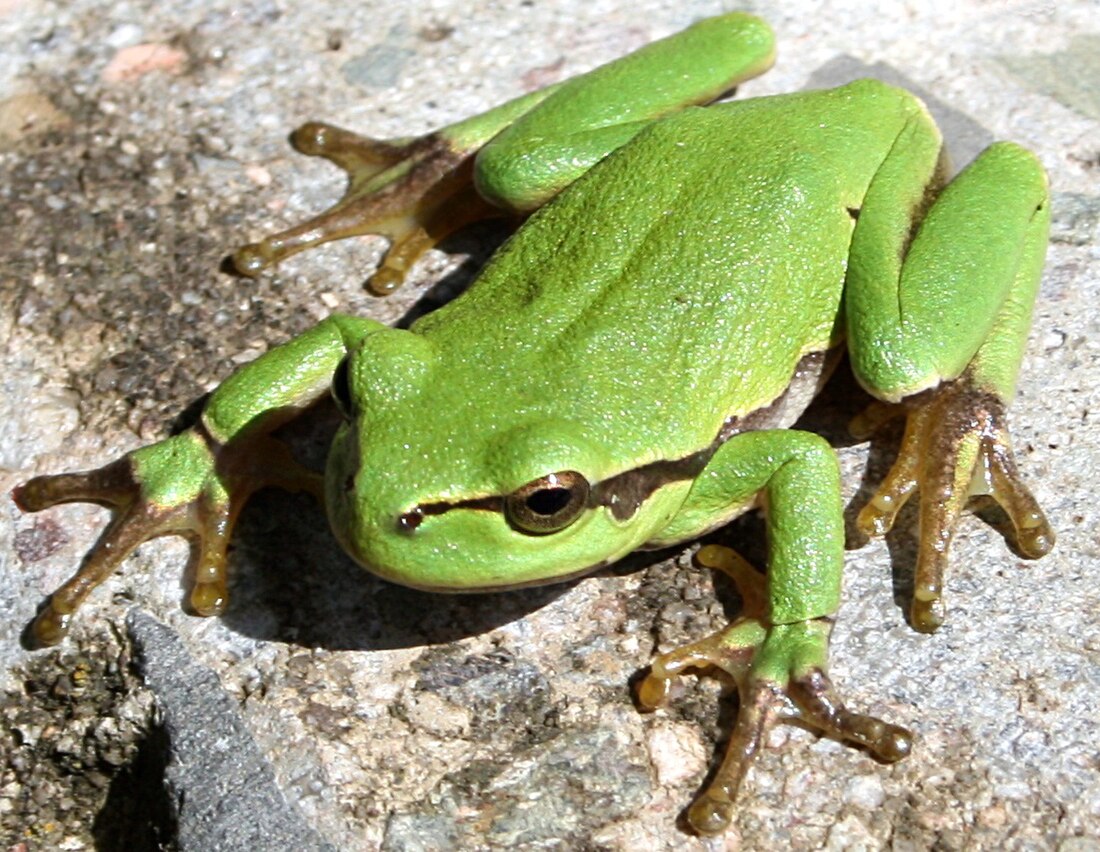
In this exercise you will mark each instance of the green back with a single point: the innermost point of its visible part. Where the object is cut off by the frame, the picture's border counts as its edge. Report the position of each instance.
(675, 285)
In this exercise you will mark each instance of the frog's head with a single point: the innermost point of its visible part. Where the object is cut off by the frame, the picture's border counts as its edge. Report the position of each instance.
(438, 485)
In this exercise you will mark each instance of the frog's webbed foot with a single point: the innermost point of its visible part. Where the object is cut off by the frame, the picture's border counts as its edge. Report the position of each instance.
(415, 192)
(780, 672)
(956, 446)
(185, 485)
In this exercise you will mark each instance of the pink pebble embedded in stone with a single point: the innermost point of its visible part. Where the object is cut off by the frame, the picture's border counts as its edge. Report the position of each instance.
(140, 59)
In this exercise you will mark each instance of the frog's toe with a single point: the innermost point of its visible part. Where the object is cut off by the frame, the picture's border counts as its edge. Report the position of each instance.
(874, 417)
(336, 223)
(712, 810)
(360, 156)
(186, 485)
(819, 706)
(111, 485)
(809, 699)
(135, 521)
(1034, 535)
(730, 650)
(927, 611)
(409, 240)
(252, 259)
(129, 528)
(877, 518)
(114, 486)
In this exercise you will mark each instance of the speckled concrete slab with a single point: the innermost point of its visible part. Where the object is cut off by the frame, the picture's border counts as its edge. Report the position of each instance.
(139, 142)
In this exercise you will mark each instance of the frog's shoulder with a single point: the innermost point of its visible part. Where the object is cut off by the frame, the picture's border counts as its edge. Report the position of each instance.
(872, 90)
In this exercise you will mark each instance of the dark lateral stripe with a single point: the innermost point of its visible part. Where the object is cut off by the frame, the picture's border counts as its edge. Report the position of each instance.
(625, 492)
(493, 503)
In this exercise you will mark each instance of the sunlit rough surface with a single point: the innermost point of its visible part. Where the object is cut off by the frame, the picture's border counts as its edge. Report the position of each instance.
(393, 718)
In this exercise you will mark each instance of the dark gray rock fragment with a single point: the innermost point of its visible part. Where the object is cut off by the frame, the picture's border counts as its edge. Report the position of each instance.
(222, 790)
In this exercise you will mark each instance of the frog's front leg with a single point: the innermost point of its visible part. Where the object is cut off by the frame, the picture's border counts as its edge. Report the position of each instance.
(777, 650)
(195, 483)
(515, 157)
(938, 311)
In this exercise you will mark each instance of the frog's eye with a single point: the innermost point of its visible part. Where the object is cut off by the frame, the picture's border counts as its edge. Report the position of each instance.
(341, 389)
(548, 504)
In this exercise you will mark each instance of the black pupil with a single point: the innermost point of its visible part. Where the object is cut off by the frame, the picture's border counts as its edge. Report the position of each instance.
(549, 501)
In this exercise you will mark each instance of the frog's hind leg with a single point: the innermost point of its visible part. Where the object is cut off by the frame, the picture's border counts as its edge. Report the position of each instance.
(938, 318)
(956, 446)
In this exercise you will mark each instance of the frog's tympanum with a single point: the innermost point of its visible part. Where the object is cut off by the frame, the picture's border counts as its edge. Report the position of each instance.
(623, 372)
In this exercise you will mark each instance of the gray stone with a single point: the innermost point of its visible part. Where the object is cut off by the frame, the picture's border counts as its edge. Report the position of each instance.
(222, 789)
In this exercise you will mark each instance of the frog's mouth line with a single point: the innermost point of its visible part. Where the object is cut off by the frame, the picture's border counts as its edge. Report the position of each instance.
(624, 493)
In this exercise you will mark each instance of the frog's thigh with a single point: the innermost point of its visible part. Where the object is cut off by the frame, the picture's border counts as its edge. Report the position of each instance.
(961, 294)
(590, 116)
(795, 476)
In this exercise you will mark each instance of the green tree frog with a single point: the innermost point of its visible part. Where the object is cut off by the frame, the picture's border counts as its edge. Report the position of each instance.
(623, 372)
